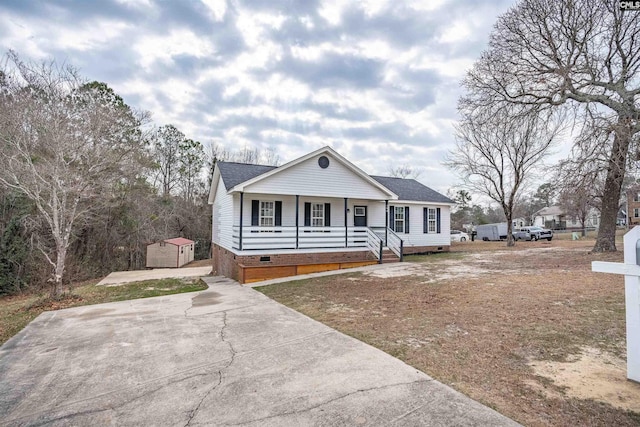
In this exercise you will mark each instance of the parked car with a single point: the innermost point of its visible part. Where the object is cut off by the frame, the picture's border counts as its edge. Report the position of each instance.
(459, 236)
(522, 233)
(538, 233)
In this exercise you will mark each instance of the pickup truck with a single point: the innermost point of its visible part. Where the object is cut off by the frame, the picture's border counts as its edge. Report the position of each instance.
(532, 233)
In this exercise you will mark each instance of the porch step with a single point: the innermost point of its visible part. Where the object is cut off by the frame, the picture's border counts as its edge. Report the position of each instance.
(388, 256)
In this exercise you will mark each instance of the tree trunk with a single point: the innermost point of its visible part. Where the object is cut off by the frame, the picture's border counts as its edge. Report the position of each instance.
(606, 240)
(510, 240)
(57, 290)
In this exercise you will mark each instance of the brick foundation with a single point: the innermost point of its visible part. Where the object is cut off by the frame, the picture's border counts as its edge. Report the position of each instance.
(228, 264)
(251, 268)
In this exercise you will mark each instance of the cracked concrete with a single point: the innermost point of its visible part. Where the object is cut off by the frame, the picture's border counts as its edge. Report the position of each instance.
(224, 356)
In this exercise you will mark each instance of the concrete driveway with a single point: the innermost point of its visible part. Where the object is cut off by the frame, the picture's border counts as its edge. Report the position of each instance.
(225, 356)
(120, 277)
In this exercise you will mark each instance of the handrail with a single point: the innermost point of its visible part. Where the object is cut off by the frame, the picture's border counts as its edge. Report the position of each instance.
(395, 243)
(374, 244)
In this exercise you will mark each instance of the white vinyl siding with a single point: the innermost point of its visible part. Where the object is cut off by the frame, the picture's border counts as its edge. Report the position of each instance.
(222, 217)
(416, 235)
(311, 180)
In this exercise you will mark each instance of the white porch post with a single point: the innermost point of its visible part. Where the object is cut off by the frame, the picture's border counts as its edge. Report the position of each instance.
(631, 271)
(386, 220)
(241, 203)
(346, 229)
(297, 219)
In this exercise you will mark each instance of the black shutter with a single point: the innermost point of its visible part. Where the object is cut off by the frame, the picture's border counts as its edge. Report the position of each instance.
(438, 220)
(406, 219)
(307, 214)
(392, 220)
(425, 220)
(327, 214)
(255, 212)
(278, 214)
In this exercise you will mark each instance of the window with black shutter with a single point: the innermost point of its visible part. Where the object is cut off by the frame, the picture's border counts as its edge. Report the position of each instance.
(266, 213)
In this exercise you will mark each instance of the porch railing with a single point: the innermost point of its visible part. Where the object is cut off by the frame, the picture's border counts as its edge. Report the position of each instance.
(395, 243)
(265, 238)
(255, 238)
(374, 244)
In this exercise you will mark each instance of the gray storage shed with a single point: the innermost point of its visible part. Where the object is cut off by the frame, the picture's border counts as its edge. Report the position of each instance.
(170, 253)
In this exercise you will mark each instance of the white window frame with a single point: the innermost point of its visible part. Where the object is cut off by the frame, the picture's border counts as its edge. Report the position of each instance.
(267, 214)
(432, 218)
(360, 211)
(317, 215)
(399, 218)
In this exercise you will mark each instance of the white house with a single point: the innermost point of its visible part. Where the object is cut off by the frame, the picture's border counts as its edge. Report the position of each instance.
(318, 212)
(555, 217)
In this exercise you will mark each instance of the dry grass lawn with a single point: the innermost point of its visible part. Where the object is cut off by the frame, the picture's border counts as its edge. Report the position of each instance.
(529, 331)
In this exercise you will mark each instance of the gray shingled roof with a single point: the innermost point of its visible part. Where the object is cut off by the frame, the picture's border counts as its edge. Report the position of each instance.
(236, 173)
(407, 189)
(410, 189)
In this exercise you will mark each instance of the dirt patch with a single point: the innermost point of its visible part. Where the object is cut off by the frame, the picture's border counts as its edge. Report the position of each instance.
(487, 320)
(594, 374)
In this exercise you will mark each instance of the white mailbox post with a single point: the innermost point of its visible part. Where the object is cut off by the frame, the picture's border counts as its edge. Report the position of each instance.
(631, 271)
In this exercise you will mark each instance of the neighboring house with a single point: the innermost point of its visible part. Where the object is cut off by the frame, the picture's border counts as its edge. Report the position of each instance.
(633, 206)
(621, 219)
(519, 222)
(555, 218)
(170, 253)
(319, 212)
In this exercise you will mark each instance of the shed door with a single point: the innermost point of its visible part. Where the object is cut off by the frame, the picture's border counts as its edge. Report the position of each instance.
(360, 216)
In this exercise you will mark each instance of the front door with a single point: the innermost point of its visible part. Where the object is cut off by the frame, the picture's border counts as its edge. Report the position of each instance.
(360, 216)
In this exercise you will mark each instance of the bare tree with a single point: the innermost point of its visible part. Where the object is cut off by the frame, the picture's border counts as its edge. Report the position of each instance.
(165, 143)
(496, 154)
(405, 171)
(583, 57)
(577, 202)
(192, 160)
(65, 144)
(249, 155)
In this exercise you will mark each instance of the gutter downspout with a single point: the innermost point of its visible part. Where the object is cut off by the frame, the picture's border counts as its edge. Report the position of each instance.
(297, 218)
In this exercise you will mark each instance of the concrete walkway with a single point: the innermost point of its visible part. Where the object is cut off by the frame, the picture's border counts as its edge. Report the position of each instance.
(225, 356)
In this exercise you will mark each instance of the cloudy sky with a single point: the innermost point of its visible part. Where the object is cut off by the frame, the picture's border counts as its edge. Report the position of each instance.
(376, 80)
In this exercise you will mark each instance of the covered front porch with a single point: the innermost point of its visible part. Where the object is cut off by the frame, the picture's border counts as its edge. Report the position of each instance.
(268, 222)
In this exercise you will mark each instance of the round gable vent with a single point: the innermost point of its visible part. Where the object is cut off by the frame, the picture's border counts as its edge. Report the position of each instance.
(323, 162)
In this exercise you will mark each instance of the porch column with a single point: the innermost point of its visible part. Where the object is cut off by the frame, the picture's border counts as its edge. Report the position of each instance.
(346, 229)
(386, 224)
(297, 217)
(241, 203)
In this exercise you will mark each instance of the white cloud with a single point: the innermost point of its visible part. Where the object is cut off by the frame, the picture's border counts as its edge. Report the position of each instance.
(332, 10)
(217, 8)
(154, 48)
